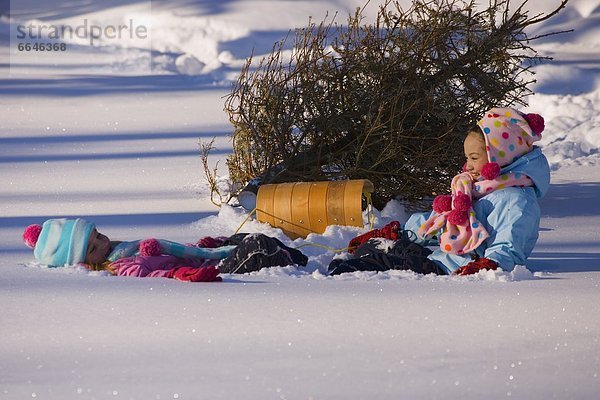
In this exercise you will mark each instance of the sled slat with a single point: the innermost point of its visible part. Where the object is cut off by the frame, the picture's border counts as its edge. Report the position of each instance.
(353, 202)
(300, 214)
(335, 203)
(264, 204)
(316, 206)
(282, 207)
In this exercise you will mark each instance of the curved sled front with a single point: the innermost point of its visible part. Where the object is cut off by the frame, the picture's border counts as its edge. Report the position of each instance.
(301, 208)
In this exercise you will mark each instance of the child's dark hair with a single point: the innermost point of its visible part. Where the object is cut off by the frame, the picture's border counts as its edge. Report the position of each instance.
(475, 130)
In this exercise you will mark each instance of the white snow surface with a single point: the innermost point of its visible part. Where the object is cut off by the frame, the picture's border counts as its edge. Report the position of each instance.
(109, 132)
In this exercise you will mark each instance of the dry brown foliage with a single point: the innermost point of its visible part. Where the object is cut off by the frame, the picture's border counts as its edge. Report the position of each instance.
(389, 101)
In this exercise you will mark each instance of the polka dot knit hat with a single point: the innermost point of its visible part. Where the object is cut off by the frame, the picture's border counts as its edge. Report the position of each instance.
(509, 134)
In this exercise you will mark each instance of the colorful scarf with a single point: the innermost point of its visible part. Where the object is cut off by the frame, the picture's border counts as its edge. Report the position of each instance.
(167, 247)
(461, 231)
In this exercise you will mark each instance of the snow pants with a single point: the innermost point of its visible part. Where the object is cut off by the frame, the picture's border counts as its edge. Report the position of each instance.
(373, 256)
(256, 251)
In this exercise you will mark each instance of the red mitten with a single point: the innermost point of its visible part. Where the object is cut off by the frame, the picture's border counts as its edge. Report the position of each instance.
(211, 242)
(357, 241)
(204, 274)
(475, 266)
(390, 231)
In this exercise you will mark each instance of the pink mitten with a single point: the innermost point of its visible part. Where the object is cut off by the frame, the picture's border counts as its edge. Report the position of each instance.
(189, 274)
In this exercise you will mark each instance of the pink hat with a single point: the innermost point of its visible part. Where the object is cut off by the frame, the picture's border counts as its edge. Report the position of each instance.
(508, 135)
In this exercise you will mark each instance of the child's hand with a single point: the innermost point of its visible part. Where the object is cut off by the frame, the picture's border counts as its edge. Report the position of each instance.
(475, 266)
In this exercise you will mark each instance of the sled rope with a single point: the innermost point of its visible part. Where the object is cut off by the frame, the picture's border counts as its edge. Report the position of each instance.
(370, 208)
(245, 220)
(323, 247)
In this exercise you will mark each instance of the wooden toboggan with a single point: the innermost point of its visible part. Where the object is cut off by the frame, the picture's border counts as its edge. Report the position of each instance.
(301, 208)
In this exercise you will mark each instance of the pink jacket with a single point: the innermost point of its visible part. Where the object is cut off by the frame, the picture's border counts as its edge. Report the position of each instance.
(156, 266)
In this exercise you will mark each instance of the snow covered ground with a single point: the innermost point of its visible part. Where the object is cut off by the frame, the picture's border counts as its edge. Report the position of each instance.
(110, 132)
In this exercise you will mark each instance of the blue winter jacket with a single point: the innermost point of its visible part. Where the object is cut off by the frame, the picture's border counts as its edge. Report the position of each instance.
(510, 215)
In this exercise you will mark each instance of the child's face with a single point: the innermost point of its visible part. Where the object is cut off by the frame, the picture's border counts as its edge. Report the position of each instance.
(475, 153)
(98, 248)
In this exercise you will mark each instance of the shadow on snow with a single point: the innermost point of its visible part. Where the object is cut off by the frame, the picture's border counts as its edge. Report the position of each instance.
(120, 220)
(571, 200)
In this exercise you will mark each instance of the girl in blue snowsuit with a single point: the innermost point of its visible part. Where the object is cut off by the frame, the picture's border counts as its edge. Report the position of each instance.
(492, 217)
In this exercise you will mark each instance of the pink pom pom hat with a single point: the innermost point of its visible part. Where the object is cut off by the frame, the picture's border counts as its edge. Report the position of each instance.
(509, 134)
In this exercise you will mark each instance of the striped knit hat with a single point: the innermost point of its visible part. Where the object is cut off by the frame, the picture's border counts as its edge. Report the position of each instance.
(59, 241)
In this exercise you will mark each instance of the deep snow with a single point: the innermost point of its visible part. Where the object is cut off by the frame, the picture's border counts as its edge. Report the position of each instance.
(100, 133)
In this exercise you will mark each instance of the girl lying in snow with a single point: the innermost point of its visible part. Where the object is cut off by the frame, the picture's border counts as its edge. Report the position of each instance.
(60, 242)
(490, 220)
